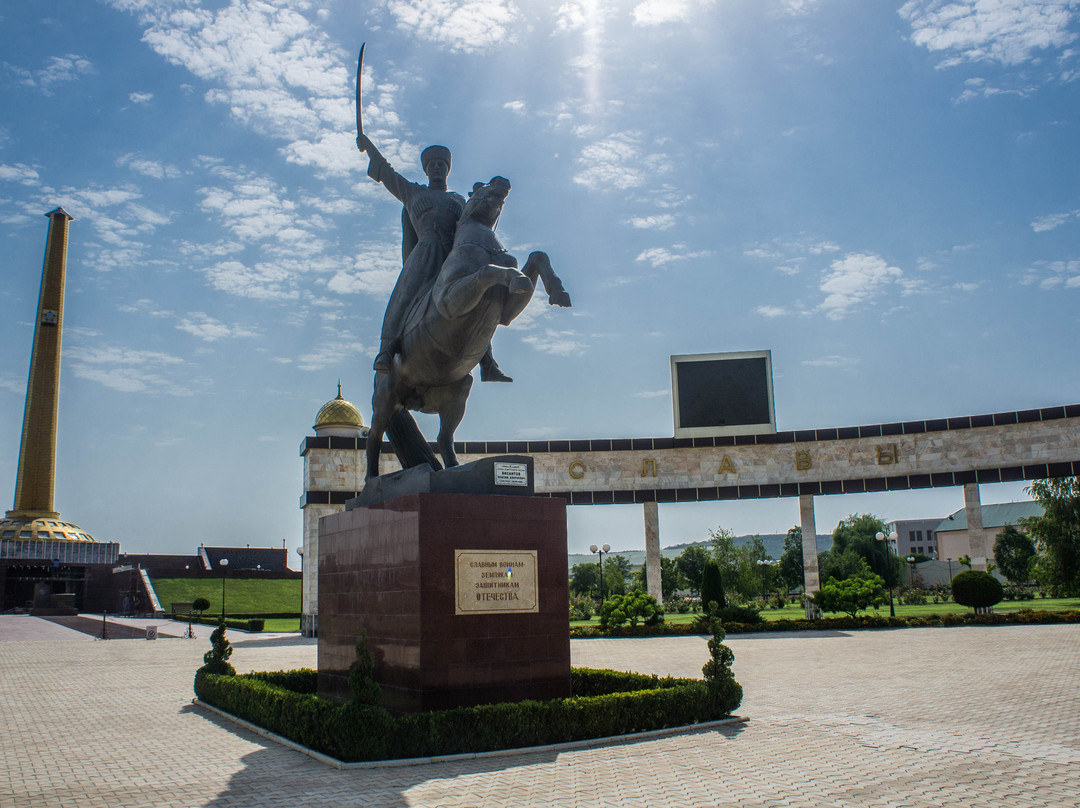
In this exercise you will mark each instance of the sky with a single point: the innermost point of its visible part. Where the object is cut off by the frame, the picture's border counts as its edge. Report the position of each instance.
(885, 195)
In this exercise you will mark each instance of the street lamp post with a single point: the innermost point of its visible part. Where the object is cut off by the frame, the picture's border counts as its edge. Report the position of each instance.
(300, 552)
(224, 564)
(888, 567)
(911, 571)
(763, 565)
(601, 550)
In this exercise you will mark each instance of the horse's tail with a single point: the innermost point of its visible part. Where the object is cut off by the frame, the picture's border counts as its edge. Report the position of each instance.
(408, 442)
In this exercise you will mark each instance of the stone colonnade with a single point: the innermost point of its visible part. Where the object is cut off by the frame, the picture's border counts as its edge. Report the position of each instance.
(964, 451)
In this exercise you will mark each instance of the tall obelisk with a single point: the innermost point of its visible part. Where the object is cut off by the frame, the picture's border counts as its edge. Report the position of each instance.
(36, 480)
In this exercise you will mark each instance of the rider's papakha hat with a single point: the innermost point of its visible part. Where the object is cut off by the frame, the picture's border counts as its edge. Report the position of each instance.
(432, 152)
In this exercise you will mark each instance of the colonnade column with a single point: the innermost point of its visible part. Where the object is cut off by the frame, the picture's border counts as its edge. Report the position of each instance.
(652, 551)
(811, 579)
(976, 535)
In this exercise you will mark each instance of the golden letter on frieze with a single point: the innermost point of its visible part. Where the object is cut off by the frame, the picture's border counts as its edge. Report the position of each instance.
(802, 460)
(577, 469)
(887, 455)
(726, 466)
(648, 467)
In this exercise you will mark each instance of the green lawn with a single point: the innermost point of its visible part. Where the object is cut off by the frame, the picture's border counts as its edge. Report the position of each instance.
(795, 612)
(242, 595)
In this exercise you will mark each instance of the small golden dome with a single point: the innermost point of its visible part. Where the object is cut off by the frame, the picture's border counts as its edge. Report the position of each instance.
(42, 530)
(338, 413)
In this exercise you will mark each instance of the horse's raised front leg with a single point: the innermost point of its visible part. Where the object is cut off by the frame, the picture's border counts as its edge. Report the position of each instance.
(451, 407)
(539, 265)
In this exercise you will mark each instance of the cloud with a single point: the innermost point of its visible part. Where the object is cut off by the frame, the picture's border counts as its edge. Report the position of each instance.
(617, 163)
(126, 370)
(332, 353)
(854, 281)
(559, 343)
(468, 26)
(148, 168)
(964, 286)
(274, 71)
(263, 281)
(141, 98)
(658, 256)
(375, 271)
(1053, 274)
(832, 361)
(59, 69)
(1053, 221)
(771, 311)
(658, 12)
(20, 172)
(653, 393)
(517, 107)
(661, 221)
(206, 328)
(1009, 32)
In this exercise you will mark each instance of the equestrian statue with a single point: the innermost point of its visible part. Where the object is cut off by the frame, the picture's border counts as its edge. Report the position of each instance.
(457, 285)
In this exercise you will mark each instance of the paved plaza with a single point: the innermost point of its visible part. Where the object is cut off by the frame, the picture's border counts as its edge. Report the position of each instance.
(962, 716)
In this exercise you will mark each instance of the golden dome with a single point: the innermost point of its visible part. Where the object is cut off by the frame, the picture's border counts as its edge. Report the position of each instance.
(338, 413)
(42, 530)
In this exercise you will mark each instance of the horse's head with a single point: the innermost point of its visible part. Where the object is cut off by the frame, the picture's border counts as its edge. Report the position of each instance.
(486, 201)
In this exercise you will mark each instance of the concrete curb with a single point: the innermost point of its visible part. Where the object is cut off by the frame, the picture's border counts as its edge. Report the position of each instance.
(523, 750)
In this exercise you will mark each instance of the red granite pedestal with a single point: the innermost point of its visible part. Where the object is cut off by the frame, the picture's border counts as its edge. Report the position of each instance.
(389, 570)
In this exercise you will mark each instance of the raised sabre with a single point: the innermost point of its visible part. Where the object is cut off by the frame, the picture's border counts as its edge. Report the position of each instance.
(359, 103)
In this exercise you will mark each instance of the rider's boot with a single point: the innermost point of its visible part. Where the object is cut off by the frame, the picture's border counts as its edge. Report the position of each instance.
(490, 371)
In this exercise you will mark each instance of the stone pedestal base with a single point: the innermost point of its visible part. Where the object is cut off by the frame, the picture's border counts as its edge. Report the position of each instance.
(400, 572)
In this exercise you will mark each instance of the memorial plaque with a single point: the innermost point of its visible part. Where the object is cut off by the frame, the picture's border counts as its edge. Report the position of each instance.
(511, 474)
(495, 582)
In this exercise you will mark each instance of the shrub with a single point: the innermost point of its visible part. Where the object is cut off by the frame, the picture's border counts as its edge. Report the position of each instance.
(977, 589)
(604, 703)
(581, 607)
(632, 608)
(778, 601)
(850, 595)
(1019, 593)
(200, 604)
(712, 588)
(216, 660)
(914, 597)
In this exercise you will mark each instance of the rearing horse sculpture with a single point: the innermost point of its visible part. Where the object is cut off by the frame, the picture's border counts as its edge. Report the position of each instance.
(479, 288)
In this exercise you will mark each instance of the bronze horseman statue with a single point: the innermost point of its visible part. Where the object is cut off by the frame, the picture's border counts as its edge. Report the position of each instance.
(457, 285)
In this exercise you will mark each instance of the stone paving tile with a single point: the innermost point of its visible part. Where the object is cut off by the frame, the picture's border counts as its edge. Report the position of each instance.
(965, 716)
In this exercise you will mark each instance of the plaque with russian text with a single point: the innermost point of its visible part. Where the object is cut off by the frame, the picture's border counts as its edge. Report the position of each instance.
(495, 582)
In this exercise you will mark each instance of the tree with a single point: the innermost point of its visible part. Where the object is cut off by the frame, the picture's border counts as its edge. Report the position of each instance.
(585, 579)
(1015, 554)
(858, 532)
(791, 560)
(1057, 533)
(851, 595)
(200, 604)
(712, 587)
(977, 589)
(690, 562)
(616, 573)
(216, 660)
(848, 564)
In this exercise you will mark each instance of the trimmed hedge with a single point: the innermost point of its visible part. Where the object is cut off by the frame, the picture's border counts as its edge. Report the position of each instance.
(605, 703)
(1019, 617)
(255, 624)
